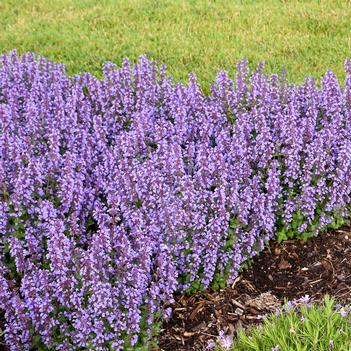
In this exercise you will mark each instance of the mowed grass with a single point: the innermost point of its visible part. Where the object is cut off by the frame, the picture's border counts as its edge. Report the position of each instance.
(304, 37)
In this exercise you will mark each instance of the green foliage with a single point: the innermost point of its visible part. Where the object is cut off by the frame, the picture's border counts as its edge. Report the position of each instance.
(292, 231)
(196, 286)
(305, 37)
(144, 343)
(221, 276)
(308, 328)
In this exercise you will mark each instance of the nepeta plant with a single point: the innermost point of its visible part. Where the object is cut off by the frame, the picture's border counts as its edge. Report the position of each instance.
(116, 193)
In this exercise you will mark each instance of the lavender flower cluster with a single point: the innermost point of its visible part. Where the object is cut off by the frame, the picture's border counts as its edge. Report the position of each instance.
(116, 193)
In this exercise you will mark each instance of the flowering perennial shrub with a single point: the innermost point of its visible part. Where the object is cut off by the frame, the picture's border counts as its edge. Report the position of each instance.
(116, 193)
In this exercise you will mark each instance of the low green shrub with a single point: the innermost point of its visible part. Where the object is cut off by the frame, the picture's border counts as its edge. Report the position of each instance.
(298, 326)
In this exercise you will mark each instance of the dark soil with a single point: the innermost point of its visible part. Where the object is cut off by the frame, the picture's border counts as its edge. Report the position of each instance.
(319, 266)
(3, 346)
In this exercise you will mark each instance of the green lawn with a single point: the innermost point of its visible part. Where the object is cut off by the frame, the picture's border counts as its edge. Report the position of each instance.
(305, 37)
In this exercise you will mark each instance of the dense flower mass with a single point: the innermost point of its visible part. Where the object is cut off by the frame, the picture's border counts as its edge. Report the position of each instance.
(116, 193)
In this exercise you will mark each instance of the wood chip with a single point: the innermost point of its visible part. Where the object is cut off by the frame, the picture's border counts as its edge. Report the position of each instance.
(254, 317)
(277, 251)
(188, 334)
(284, 264)
(239, 311)
(199, 327)
(237, 304)
(196, 310)
(326, 265)
(237, 280)
(315, 281)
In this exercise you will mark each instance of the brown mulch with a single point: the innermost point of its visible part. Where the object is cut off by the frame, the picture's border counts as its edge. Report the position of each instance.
(3, 346)
(319, 266)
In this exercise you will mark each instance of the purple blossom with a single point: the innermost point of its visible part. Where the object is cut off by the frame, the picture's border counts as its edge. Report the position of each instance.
(225, 341)
(343, 312)
(304, 299)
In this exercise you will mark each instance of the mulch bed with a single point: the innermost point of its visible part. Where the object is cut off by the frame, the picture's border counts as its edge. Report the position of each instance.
(319, 266)
(3, 346)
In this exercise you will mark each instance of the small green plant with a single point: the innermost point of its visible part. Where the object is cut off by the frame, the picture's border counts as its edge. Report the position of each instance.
(298, 326)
